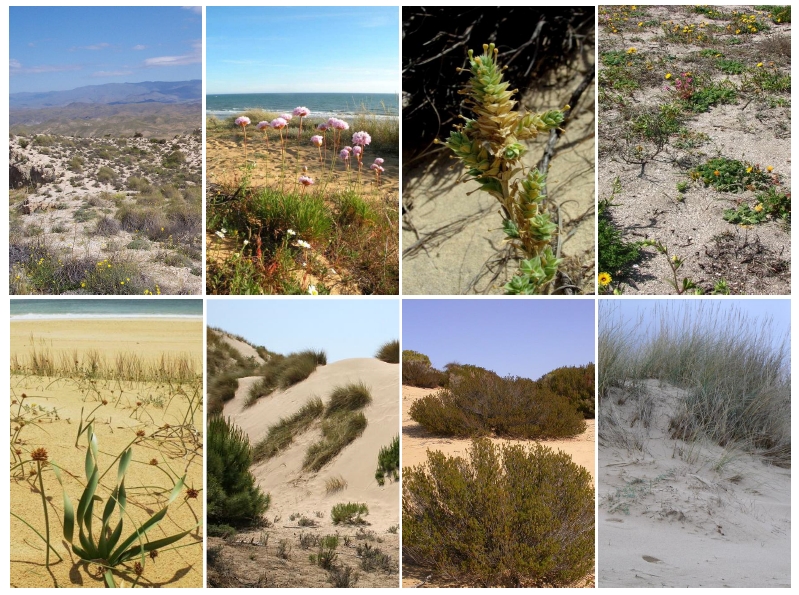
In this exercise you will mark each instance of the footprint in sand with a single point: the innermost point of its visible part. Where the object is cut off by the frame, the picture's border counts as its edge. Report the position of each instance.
(651, 559)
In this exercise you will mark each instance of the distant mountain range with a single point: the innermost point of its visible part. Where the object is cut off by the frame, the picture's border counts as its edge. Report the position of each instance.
(113, 94)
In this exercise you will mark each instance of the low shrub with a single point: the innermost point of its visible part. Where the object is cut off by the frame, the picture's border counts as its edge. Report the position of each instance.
(503, 516)
(420, 374)
(389, 352)
(233, 497)
(342, 576)
(479, 402)
(373, 558)
(349, 513)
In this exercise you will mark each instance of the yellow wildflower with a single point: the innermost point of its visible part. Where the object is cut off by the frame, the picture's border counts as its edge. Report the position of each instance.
(770, 168)
(604, 279)
(758, 208)
(668, 75)
(760, 65)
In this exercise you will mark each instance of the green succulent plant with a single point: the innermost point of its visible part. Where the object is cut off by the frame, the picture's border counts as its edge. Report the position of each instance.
(489, 147)
(103, 546)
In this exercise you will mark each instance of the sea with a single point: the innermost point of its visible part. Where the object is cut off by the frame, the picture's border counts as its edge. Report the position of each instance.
(28, 309)
(322, 105)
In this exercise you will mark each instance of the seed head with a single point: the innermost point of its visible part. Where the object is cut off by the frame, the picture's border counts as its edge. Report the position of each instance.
(154, 462)
(39, 454)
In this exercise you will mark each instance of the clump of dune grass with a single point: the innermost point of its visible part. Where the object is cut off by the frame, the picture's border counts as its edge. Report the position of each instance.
(281, 372)
(735, 371)
(125, 367)
(350, 397)
(389, 352)
(388, 461)
(282, 434)
(338, 430)
(335, 484)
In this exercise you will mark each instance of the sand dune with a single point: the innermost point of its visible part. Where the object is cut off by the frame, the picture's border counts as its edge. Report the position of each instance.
(675, 514)
(296, 493)
(294, 490)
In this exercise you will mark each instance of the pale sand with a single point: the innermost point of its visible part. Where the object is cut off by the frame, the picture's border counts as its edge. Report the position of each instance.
(115, 427)
(682, 515)
(416, 442)
(146, 337)
(294, 490)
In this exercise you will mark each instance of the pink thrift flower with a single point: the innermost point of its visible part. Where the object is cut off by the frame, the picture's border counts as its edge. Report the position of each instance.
(301, 111)
(357, 150)
(349, 149)
(322, 127)
(379, 160)
(377, 167)
(317, 140)
(279, 123)
(344, 154)
(337, 124)
(306, 181)
(242, 121)
(286, 117)
(361, 138)
(262, 125)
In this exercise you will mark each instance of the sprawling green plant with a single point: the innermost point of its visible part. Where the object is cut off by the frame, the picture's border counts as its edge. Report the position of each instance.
(104, 546)
(490, 147)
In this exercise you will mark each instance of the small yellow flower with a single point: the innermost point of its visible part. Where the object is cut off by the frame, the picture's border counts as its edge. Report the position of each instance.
(758, 208)
(121, 282)
(717, 173)
(83, 284)
(770, 168)
(760, 65)
(631, 51)
(668, 75)
(640, 24)
(604, 279)
(749, 169)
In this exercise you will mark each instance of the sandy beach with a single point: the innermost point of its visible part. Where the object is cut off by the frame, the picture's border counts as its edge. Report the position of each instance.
(161, 420)
(416, 441)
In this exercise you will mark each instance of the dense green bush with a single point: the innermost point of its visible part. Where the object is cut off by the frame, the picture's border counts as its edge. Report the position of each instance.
(388, 460)
(615, 256)
(349, 513)
(233, 497)
(389, 352)
(504, 516)
(575, 383)
(408, 355)
(478, 402)
(418, 373)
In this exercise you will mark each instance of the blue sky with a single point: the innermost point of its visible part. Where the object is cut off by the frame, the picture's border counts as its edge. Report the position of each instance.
(527, 337)
(755, 314)
(309, 49)
(59, 48)
(343, 328)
